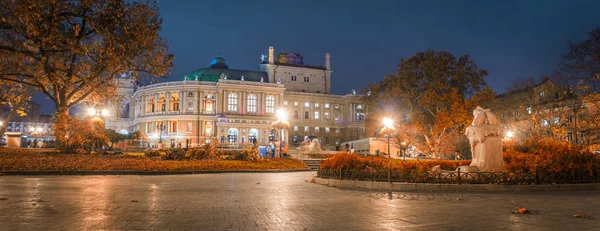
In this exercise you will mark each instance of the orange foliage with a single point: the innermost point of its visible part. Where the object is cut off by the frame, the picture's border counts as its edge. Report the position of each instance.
(549, 155)
(35, 160)
(345, 161)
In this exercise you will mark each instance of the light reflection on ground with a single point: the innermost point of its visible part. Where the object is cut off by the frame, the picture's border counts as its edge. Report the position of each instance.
(271, 201)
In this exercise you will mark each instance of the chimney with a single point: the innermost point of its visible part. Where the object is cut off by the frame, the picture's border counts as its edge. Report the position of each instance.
(271, 56)
(328, 61)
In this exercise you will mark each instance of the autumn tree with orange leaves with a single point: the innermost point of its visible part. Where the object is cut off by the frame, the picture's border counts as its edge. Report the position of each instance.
(431, 98)
(16, 98)
(73, 50)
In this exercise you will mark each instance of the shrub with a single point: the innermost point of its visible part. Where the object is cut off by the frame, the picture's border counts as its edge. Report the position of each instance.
(548, 155)
(354, 162)
(205, 152)
(151, 153)
(174, 154)
(249, 154)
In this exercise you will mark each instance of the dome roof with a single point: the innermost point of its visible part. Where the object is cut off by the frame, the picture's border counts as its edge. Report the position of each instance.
(219, 62)
(214, 74)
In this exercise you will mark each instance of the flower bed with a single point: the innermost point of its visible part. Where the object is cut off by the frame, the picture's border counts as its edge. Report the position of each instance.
(36, 160)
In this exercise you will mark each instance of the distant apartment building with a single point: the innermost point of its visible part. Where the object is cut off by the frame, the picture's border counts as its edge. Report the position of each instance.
(548, 108)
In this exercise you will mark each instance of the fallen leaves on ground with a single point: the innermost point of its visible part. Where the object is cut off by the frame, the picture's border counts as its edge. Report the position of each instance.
(521, 210)
(38, 160)
(581, 215)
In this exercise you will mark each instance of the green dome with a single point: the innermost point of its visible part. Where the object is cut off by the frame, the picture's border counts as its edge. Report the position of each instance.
(213, 75)
(219, 62)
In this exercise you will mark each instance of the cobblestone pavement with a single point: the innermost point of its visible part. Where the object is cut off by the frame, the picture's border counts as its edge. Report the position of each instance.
(271, 201)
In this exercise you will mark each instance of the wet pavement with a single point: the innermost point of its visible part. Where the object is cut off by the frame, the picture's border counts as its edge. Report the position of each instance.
(271, 201)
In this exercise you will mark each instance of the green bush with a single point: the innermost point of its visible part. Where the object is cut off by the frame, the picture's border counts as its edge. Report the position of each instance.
(174, 154)
(151, 153)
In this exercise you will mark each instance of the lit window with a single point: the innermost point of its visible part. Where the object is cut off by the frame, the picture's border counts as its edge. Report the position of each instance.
(295, 128)
(306, 104)
(337, 130)
(316, 104)
(316, 129)
(326, 115)
(316, 115)
(208, 106)
(295, 103)
(285, 103)
(270, 105)
(208, 129)
(326, 105)
(251, 103)
(529, 110)
(545, 122)
(190, 106)
(336, 106)
(359, 107)
(305, 128)
(327, 130)
(173, 126)
(232, 102)
(555, 120)
(541, 93)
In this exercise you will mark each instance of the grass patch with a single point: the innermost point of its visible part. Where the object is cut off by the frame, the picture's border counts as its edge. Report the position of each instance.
(42, 160)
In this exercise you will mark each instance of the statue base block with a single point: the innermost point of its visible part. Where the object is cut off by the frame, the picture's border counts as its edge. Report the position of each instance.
(467, 168)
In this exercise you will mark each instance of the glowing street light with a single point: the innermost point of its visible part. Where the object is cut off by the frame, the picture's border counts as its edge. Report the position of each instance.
(509, 134)
(91, 111)
(388, 128)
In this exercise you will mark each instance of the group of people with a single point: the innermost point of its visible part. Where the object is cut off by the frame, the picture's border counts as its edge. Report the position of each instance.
(36, 143)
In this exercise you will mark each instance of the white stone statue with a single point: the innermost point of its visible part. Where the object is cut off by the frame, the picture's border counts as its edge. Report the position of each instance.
(262, 58)
(223, 76)
(262, 79)
(485, 138)
(242, 78)
(353, 92)
(278, 81)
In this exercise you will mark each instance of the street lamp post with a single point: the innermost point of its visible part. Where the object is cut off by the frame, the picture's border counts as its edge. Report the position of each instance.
(388, 128)
(160, 127)
(281, 123)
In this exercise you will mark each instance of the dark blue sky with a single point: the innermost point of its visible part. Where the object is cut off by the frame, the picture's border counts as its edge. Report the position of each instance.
(366, 39)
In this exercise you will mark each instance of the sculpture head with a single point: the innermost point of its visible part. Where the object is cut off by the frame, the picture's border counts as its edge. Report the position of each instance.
(484, 116)
(479, 116)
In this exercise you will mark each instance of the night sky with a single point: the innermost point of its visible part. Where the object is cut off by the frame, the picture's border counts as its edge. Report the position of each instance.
(366, 39)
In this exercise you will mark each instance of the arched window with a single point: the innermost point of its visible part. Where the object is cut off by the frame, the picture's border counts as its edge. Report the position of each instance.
(253, 136)
(175, 102)
(232, 102)
(208, 106)
(162, 103)
(232, 135)
(272, 136)
(251, 103)
(270, 104)
(190, 94)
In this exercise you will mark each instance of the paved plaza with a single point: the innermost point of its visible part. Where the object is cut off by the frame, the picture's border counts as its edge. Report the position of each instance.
(271, 201)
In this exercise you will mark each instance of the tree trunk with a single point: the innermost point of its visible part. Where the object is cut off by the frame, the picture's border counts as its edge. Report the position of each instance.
(61, 119)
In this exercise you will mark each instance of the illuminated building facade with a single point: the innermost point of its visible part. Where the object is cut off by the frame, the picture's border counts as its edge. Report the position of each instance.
(234, 108)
